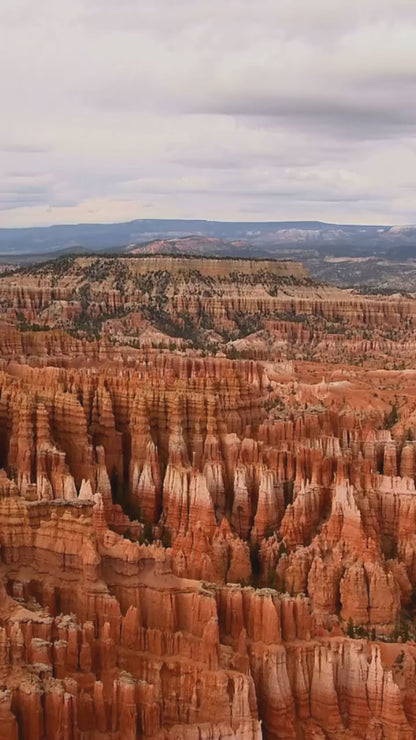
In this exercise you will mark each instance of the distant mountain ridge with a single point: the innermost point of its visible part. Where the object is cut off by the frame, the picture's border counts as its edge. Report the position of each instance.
(256, 238)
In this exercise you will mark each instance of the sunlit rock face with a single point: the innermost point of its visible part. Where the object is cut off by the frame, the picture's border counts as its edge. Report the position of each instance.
(205, 540)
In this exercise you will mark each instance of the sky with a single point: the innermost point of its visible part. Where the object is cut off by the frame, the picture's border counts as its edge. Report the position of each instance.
(228, 109)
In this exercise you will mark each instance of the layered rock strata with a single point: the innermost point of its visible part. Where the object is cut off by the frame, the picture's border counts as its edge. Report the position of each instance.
(201, 547)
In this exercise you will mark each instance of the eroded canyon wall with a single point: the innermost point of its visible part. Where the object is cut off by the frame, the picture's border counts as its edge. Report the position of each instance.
(200, 547)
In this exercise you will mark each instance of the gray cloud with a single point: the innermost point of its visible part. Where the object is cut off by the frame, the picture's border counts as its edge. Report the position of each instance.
(272, 110)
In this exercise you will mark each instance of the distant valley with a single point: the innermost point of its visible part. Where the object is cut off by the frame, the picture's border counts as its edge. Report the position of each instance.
(376, 258)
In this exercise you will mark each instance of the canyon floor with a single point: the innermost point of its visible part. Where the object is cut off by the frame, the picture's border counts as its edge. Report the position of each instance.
(207, 503)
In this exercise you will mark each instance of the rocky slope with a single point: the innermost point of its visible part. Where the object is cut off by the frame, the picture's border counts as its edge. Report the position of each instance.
(194, 546)
(254, 309)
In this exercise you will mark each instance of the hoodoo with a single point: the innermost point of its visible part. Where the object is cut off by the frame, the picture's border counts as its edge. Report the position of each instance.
(199, 536)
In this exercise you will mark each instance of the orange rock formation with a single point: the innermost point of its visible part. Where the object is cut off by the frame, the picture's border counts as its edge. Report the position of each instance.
(197, 546)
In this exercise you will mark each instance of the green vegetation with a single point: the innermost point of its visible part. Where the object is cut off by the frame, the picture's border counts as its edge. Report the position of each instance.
(28, 326)
(232, 353)
(393, 416)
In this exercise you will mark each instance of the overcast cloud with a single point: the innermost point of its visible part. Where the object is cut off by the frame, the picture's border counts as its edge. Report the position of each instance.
(228, 109)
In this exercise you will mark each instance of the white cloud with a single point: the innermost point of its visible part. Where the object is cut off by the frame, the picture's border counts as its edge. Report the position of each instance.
(272, 110)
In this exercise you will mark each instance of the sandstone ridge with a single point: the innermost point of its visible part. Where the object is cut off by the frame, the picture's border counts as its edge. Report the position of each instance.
(194, 545)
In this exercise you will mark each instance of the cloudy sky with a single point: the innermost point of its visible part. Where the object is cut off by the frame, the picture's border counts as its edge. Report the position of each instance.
(227, 109)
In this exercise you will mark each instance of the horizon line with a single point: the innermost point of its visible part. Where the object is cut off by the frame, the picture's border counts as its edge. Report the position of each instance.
(204, 220)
